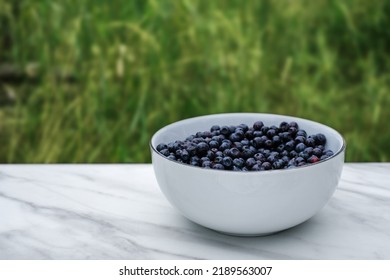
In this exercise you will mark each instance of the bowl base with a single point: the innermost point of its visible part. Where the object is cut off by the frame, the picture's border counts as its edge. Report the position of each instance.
(248, 235)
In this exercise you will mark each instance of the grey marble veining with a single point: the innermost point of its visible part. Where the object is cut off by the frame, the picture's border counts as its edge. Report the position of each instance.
(118, 212)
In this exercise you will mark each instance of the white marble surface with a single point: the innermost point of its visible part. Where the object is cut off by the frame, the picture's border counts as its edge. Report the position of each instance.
(118, 212)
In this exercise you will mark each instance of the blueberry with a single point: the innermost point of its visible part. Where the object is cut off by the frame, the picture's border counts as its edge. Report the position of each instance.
(276, 140)
(218, 166)
(266, 165)
(298, 160)
(317, 152)
(300, 139)
(280, 148)
(293, 124)
(257, 142)
(310, 141)
(244, 169)
(161, 146)
(271, 159)
(259, 157)
(206, 164)
(213, 144)
(224, 146)
(279, 164)
(283, 126)
(250, 162)
(238, 145)
(290, 145)
(304, 155)
(235, 168)
(293, 153)
(165, 152)
(218, 154)
(244, 127)
(185, 156)
(293, 131)
(235, 137)
(171, 157)
(256, 167)
(320, 139)
(249, 134)
(301, 132)
(264, 129)
(285, 159)
(245, 142)
(218, 159)
(239, 162)
(285, 136)
(258, 125)
(271, 133)
(225, 130)
(268, 143)
(202, 148)
(328, 153)
(215, 128)
(227, 162)
(308, 150)
(246, 153)
(257, 133)
(194, 163)
(300, 147)
(234, 152)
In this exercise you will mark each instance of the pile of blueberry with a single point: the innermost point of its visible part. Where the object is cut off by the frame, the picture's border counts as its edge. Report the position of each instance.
(243, 148)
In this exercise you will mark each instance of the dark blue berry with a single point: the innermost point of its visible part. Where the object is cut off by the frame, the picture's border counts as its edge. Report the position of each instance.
(283, 126)
(320, 139)
(257, 133)
(215, 128)
(165, 152)
(310, 141)
(239, 162)
(235, 137)
(218, 159)
(300, 147)
(279, 164)
(259, 157)
(213, 144)
(271, 133)
(290, 145)
(250, 162)
(301, 132)
(202, 148)
(317, 152)
(224, 146)
(225, 130)
(249, 134)
(244, 127)
(256, 167)
(227, 162)
(171, 157)
(258, 125)
(266, 165)
(185, 156)
(234, 152)
(218, 166)
(161, 147)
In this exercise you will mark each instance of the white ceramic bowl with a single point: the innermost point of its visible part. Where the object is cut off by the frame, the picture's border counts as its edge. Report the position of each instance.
(247, 203)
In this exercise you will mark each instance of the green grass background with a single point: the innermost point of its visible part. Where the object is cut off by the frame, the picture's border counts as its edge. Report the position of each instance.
(102, 76)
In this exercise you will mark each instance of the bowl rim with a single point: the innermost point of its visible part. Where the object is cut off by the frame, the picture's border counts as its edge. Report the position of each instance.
(341, 150)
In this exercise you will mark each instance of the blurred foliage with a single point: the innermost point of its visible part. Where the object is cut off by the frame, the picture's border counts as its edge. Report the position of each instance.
(91, 81)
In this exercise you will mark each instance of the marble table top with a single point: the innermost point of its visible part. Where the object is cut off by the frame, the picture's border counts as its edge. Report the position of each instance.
(118, 212)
